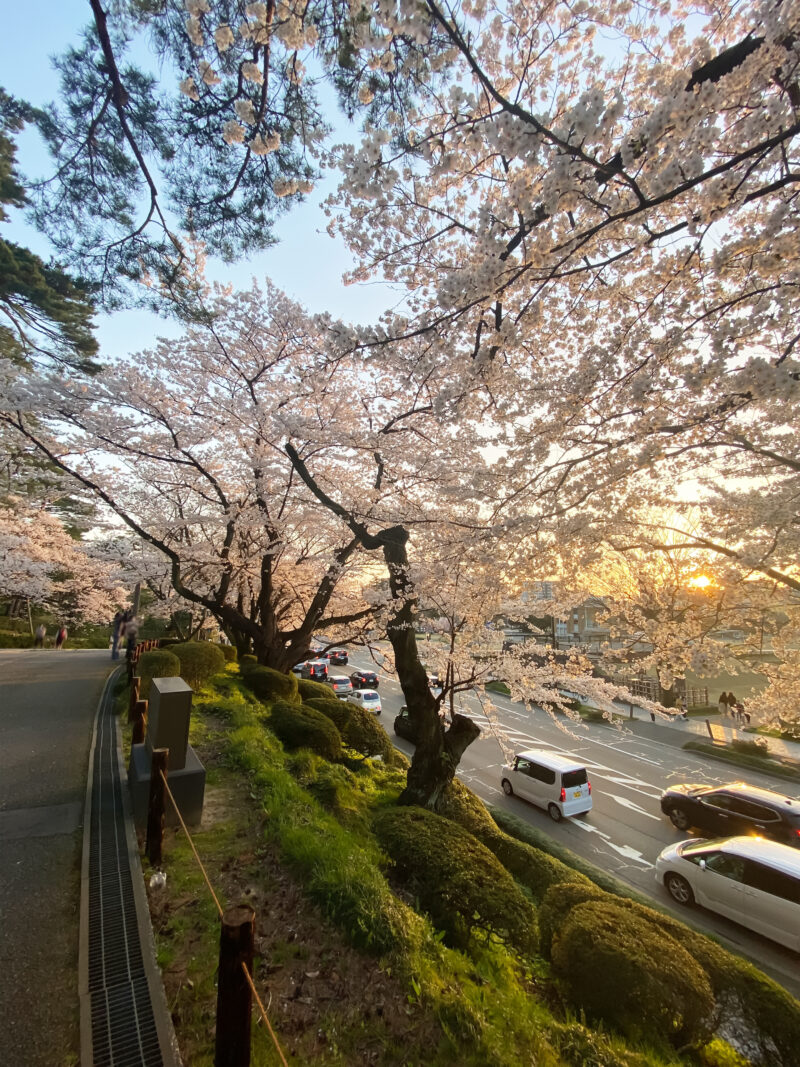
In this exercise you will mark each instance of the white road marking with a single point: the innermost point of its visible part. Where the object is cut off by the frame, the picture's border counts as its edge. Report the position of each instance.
(626, 803)
(623, 850)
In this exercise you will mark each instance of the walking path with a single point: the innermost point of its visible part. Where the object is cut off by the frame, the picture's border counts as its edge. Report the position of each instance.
(75, 932)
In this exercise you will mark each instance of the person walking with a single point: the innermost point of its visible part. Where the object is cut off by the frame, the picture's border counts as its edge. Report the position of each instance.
(39, 636)
(61, 636)
(116, 635)
(733, 707)
(722, 704)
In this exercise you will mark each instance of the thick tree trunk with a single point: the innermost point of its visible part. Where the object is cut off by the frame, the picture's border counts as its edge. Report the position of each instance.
(438, 750)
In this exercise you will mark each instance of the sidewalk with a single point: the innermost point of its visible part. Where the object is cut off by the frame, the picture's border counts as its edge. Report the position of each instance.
(678, 730)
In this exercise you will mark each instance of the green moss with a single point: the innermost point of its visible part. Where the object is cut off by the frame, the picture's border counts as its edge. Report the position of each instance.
(309, 689)
(156, 664)
(625, 972)
(200, 661)
(299, 726)
(269, 684)
(460, 884)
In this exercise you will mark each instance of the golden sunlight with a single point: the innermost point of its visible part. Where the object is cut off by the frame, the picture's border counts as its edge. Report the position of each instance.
(700, 581)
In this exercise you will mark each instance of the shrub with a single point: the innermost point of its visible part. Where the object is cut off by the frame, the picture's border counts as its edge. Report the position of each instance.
(761, 1015)
(308, 689)
(15, 640)
(229, 652)
(359, 729)
(624, 971)
(246, 661)
(336, 710)
(758, 747)
(269, 684)
(156, 664)
(532, 867)
(200, 661)
(299, 726)
(457, 880)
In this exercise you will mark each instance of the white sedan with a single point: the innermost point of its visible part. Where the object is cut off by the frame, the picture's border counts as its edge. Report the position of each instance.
(367, 698)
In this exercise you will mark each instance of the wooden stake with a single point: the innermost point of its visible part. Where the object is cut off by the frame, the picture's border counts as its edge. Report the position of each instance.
(234, 999)
(156, 806)
(139, 722)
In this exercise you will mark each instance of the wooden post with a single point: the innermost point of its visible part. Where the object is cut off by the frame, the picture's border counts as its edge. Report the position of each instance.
(139, 722)
(234, 998)
(136, 685)
(156, 806)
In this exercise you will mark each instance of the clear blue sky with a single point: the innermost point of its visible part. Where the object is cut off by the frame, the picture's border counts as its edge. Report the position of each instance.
(306, 264)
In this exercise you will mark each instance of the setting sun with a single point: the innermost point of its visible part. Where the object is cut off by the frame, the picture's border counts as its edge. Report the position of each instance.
(700, 581)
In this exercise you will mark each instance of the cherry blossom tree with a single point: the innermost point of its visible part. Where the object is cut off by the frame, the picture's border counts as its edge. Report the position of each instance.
(43, 564)
(184, 445)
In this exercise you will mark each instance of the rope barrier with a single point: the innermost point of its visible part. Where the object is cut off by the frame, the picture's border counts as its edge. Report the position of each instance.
(263, 1011)
(247, 974)
(191, 843)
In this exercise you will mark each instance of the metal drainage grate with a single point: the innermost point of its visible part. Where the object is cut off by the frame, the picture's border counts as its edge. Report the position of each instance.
(123, 1025)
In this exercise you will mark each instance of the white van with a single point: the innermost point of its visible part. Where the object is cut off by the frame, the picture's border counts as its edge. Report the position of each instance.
(559, 784)
(751, 880)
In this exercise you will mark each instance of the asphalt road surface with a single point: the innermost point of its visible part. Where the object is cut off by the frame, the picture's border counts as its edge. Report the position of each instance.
(625, 831)
(48, 701)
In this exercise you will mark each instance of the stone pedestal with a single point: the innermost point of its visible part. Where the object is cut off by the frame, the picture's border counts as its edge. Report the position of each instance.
(187, 785)
(168, 714)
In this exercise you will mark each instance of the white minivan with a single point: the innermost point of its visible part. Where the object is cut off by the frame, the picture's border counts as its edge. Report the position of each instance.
(559, 784)
(751, 880)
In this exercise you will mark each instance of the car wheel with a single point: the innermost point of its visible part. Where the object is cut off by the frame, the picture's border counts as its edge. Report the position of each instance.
(680, 819)
(554, 812)
(509, 792)
(679, 889)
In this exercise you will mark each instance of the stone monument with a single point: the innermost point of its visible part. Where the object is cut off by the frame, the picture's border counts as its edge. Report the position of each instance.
(168, 714)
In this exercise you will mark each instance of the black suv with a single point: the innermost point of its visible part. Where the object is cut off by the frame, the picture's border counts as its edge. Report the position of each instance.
(338, 655)
(364, 680)
(731, 810)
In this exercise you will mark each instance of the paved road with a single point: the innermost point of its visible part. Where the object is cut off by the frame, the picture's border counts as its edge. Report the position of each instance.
(48, 701)
(625, 830)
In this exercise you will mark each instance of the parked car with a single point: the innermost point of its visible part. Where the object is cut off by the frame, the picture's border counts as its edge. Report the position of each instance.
(734, 809)
(364, 680)
(367, 698)
(748, 879)
(340, 684)
(559, 784)
(315, 669)
(338, 655)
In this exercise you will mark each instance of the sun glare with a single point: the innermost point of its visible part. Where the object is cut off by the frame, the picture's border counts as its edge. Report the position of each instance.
(700, 581)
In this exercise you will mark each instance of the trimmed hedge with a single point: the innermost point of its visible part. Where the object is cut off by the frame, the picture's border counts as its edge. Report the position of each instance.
(269, 684)
(625, 972)
(299, 726)
(309, 689)
(456, 879)
(360, 729)
(532, 867)
(156, 664)
(758, 1013)
(200, 661)
(13, 640)
(229, 652)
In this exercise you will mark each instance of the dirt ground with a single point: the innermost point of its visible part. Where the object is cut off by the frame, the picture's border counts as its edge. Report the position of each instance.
(327, 1002)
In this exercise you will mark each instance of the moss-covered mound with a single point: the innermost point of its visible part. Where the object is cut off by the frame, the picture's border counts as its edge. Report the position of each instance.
(623, 971)
(309, 689)
(532, 867)
(229, 652)
(299, 726)
(269, 684)
(360, 730)
(456, 879)
(758, 1013)
(156, 664)
(200, 661)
